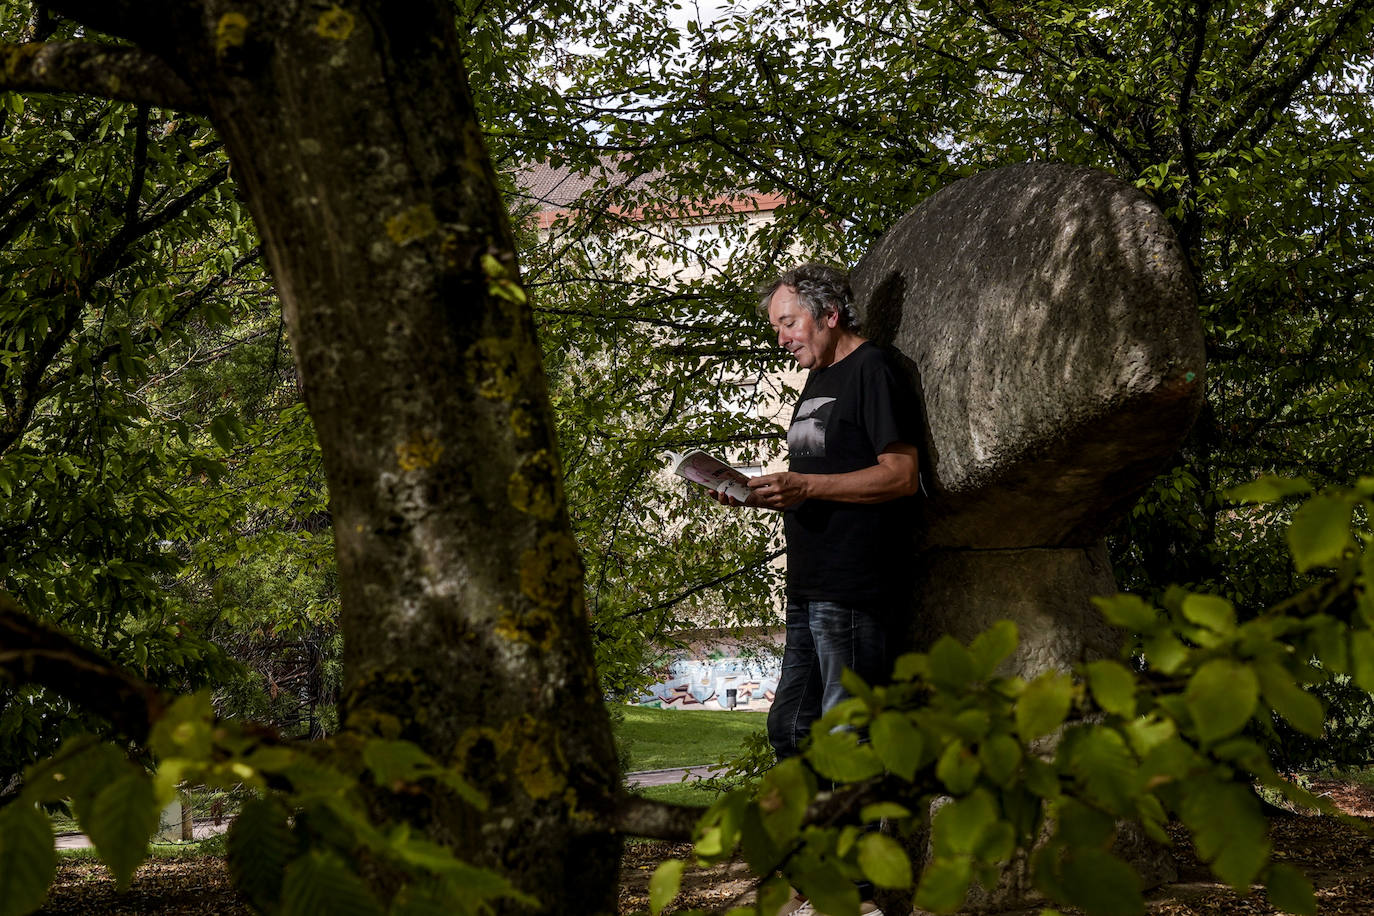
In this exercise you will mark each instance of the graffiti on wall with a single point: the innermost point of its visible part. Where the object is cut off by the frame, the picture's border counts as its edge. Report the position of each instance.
(735, 682)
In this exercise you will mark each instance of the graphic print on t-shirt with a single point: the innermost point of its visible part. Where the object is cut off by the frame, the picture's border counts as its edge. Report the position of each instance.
(806, 435)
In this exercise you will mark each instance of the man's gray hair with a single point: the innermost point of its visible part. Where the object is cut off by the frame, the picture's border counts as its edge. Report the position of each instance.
(819, 287)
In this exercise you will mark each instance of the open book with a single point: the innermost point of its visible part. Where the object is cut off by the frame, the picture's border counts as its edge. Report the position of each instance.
(709, 471)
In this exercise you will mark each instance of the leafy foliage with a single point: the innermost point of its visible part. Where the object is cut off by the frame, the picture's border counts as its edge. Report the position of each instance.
(306, 844)
(1174, 738)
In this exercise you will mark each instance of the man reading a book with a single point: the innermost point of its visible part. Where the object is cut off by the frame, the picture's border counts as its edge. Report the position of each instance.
(847, 499)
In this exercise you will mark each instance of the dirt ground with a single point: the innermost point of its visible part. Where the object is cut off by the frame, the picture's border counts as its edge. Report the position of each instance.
(1337, 857)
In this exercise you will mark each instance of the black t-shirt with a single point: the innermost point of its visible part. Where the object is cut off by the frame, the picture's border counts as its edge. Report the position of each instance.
(847, 414)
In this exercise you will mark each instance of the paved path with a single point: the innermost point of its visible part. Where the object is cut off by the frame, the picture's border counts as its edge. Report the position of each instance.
(201, 828)
(671, 776)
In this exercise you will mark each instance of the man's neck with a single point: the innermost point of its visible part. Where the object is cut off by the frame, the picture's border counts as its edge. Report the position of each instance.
(847, 344)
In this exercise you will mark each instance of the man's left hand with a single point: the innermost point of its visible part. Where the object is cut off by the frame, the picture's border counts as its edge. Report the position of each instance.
(778, 491)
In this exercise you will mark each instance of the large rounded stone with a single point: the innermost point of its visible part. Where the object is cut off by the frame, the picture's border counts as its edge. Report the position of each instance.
(1050, 320)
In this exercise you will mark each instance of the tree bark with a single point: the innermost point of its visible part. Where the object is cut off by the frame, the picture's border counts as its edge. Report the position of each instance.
(353, 136)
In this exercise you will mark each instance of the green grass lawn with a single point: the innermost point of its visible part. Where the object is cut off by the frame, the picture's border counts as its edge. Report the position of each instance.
(660, 738)
(657, 739)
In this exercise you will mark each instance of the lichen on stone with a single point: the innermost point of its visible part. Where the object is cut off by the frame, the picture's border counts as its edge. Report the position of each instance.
(533, 487)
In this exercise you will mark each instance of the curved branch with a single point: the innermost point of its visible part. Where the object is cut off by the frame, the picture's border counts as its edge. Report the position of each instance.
(33, 653)
(96, 68)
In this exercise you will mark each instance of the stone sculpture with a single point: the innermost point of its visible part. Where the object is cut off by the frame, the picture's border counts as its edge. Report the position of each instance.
(1048, 317)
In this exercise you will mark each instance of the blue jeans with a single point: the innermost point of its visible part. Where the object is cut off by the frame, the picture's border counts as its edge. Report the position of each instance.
(823, 639)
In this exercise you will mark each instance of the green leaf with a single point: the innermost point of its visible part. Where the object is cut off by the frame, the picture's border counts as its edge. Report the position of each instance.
(1044, 704)
(762, 854)
(1362, 658)
(1077, 824)
(880, 810)
(951, 666)
(1290, 891)
(27, 858)
(719, 828)
(1320, 532)
(320, 883)
(838, 755)
(1146, 734)
(1113, 687)
(1000, 755)
(1130, 612)
(222, 430)
(1105, 768)
(897, 742)
(1302, 710)
(119, 821)
(958, 768)
(1365, 594)
(1101, 883)
(1267, 489)
(910, 666)
(774, 894)
(783, 797)
(431, 898)
(1229, 832)
(259, 846)
(1165, 653)
(1221, 697)
(990, 647)
(958, 826)
(393, 762)
(829, 890)
(663, 886)
(1042, 778)
(1210, 611)
(883, 861)
(184, 730)
(944, 884)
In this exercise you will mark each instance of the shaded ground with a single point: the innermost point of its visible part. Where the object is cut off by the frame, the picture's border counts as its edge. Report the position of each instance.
(1337, 857)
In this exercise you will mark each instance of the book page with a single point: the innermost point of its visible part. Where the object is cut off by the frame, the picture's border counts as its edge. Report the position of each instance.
(712, 473)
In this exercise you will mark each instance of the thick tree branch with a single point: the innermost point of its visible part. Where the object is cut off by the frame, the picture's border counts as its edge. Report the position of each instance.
(636, 816)
(96, 68)
(32, 653)
(1191, 218)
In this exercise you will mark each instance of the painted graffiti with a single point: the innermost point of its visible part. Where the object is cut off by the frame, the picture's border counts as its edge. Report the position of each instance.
(737, 682)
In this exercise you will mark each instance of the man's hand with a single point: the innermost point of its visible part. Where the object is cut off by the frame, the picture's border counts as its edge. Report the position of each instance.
(778, 491)
(725, 499)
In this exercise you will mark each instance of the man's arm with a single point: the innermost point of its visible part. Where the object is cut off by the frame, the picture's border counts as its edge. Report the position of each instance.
(895, 475)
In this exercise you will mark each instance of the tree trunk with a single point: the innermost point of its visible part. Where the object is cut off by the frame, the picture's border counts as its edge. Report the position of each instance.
(353, 136)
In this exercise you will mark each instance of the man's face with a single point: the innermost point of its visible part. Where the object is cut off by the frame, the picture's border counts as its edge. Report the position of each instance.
(810, 340)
